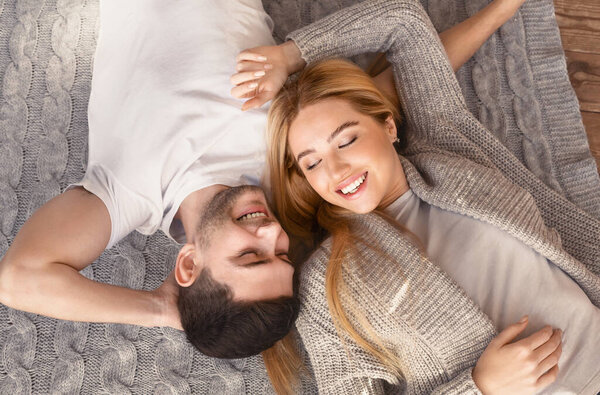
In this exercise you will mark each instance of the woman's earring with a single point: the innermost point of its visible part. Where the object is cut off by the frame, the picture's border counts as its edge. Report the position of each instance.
(396, 141)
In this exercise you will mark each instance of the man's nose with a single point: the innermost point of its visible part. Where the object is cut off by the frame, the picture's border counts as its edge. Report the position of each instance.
(269, 230)
(272, 236)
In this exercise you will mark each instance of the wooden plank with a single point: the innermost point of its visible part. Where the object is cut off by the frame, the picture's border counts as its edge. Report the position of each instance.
(591, 120)
(583, 8)
(584, 73)
(579, 22)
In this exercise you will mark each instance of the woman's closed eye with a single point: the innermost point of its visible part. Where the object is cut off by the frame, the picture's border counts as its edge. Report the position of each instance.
(346, 144)
(313, 164)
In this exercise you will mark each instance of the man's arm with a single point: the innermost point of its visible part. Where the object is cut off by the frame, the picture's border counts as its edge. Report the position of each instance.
(40, 271)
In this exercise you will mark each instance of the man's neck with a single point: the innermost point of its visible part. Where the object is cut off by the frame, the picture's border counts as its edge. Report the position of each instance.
(192, 207)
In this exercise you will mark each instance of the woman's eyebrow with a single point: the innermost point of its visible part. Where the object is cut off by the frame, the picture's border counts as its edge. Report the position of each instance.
(337, 131)
(340, 129)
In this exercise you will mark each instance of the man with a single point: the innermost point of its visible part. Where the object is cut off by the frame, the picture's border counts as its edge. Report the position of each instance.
(166, 143)
(170, 149)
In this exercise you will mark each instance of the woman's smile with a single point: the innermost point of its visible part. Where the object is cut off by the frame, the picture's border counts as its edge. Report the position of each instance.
(347, 157)
(353, 187)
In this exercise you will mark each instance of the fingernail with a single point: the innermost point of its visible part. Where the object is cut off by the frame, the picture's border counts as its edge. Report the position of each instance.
(268, 66)
(523, 319)
(252, 85)
(259, 73)
(262, 58)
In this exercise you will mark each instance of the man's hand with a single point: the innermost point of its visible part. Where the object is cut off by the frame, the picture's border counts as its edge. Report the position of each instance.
(522, 367)
(262, 72)
(167, 295)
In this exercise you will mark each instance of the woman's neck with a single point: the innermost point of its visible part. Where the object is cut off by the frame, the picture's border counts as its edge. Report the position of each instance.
(397, 188)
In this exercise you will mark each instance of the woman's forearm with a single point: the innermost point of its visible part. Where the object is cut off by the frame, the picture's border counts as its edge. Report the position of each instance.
(464, 39)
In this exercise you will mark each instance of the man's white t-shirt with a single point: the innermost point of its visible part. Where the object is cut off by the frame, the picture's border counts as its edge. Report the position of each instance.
(162, 122)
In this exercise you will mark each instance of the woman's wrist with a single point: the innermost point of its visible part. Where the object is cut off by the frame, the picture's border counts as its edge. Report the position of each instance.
(292, 56)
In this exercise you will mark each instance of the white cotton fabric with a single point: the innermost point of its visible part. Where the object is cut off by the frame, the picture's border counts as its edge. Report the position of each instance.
(162, 122)
(508, 279)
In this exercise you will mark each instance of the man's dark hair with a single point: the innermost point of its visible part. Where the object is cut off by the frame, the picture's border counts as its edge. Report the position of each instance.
(221, 327)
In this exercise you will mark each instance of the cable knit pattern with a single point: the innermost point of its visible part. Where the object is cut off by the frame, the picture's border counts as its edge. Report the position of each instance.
(119, 361)
(486, 80)
(46, 53)
(70, 337)
(536, 150)
(18, 351)
(573, 164)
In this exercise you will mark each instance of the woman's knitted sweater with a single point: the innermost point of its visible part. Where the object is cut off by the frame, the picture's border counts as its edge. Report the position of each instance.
(453, 163)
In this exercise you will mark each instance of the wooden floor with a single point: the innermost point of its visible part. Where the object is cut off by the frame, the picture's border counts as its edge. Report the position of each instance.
(579, 23)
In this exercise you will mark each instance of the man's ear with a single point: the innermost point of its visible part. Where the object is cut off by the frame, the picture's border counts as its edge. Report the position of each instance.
(390, 128)
(186, 269)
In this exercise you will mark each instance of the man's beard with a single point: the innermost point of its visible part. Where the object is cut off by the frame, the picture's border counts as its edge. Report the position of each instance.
(218, 211)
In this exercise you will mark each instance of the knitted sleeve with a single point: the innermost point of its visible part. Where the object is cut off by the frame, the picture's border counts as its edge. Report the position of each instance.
(402, 29)
(461, 384)
(339, 366)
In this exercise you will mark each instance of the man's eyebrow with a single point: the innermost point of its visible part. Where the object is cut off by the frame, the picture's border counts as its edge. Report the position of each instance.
(331, 137)
(235, 257)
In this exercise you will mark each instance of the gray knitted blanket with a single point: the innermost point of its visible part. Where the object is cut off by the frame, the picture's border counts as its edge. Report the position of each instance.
(516, 85)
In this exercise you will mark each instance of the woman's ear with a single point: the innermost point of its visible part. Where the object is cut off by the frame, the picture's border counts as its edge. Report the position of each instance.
(186, 269)
(390, 128)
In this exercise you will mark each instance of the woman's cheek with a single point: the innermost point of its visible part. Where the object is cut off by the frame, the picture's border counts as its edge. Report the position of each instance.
(317, 182)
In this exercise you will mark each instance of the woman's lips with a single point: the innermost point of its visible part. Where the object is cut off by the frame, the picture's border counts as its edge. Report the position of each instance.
(361, 188)
(349, 181)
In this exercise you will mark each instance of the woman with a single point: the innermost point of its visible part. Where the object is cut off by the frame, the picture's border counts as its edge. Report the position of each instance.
(381, 314)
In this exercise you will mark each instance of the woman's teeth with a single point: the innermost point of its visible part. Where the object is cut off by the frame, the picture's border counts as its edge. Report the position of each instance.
(352, 188)
(252, 215)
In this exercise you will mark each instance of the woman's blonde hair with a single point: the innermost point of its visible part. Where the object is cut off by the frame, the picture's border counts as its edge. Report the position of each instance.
(304, 214)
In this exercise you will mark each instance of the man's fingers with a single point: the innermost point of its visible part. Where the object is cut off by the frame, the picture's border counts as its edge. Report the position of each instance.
(538, 338)
(510, 332)
(547, 378)
(248, 55)
(245, 90)
(240, 78)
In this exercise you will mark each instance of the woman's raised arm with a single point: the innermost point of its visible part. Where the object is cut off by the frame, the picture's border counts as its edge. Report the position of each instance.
(262, 71)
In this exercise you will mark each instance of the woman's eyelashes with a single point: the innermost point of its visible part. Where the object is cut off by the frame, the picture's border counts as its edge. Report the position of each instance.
(345, 144)
(341, 146)
(313, 165)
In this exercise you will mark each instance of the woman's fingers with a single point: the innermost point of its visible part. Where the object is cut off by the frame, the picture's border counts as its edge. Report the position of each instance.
(547, 348)
(245, 90)
(252, 56)
(510, 332)
(252, 66)
(240, 78)
(261, 98)
(538, 338)
(546, 379)
(550, 361)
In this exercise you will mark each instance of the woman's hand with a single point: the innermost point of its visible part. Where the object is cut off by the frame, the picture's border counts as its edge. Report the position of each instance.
(262, 71)
(523, 367)
(166, 296)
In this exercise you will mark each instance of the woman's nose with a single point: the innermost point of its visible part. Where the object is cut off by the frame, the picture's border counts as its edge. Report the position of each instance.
(338, 168)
